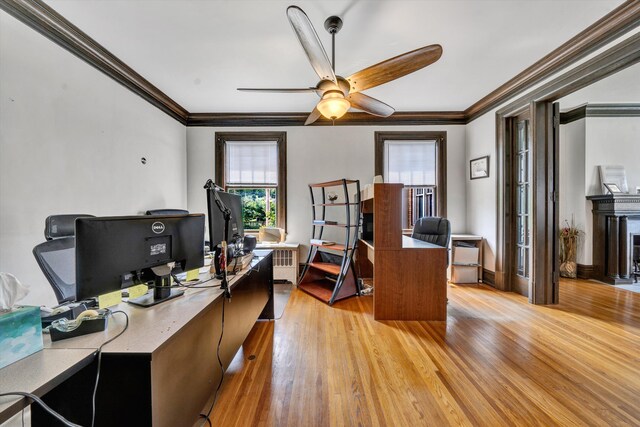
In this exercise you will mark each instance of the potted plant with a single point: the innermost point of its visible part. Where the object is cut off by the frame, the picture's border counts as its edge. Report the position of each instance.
(568, 250)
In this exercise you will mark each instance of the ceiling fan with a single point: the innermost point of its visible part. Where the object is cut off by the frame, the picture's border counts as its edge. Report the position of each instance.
(338, 94)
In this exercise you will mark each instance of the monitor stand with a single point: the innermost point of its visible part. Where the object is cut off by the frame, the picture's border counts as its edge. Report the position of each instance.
(161, 292)
(149, 299)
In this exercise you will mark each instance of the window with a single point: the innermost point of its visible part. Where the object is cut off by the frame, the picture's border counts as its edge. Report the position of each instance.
(417, 160)
(253, 165)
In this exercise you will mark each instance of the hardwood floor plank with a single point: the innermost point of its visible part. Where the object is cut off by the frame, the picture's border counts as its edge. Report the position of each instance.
(496, 361)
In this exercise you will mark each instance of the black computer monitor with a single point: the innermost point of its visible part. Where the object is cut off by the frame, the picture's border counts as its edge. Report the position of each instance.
(113, 253)
(216, 219)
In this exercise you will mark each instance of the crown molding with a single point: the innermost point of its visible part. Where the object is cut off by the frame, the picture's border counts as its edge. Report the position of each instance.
(619, 57)
(42, 18)
(600, 110)
(399, 118)
(617, 22)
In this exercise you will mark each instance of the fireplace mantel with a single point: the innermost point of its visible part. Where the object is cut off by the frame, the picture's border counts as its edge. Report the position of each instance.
(615, 219)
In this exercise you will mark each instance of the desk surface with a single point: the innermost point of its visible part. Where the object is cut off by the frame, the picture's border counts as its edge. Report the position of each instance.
(408, 243)
(151, 328)
(38, 374)
(465, 237)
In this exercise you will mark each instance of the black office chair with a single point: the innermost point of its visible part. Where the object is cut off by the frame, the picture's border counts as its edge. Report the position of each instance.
(433, 229)
(167, 212)
(57, 257)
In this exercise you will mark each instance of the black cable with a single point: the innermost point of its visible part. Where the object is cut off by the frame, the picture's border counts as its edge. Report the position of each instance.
(206, 419)
(215, 397)
(39, 401)
(95, 387)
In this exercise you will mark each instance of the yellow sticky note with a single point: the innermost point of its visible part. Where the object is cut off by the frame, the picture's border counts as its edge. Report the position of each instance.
(193, 274)
(110, 299)
(137, 291)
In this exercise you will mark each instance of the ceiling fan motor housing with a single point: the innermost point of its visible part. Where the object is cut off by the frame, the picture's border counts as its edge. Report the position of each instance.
(333, 24)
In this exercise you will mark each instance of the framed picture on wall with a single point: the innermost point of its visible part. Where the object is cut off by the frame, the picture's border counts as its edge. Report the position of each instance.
(479, 168)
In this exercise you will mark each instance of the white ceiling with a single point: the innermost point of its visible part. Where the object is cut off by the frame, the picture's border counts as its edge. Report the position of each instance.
(199, 52)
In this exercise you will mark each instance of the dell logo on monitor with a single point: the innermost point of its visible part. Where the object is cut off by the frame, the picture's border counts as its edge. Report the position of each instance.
(157, 227)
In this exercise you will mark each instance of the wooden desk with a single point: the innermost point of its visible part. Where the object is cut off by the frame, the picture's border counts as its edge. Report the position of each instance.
(409, 275)
(410, 282)
(38, 374)
(163, 369)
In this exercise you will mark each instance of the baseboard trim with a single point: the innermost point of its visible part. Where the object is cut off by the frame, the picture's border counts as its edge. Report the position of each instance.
(489, 277)
(585, 271)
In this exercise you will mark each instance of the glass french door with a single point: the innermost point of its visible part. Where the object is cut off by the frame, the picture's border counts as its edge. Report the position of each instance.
(522, 219)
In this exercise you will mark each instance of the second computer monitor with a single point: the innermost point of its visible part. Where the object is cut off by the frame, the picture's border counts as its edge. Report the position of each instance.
(216, 219)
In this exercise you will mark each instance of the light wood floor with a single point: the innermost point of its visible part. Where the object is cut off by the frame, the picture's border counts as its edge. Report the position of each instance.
(496, 361)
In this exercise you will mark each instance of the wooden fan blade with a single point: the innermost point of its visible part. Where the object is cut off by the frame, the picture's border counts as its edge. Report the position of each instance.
(394, 68)
(370, 105)
(315, 115)
(279, 90)
(310, 43)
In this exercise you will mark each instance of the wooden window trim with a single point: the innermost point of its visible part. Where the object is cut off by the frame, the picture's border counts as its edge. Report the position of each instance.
(441, 159)
(280, 138)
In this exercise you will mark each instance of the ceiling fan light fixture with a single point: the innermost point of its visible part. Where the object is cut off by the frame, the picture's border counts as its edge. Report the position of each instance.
(333, 105)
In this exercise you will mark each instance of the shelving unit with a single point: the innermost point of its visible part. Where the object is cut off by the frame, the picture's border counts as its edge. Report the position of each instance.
(328, 273)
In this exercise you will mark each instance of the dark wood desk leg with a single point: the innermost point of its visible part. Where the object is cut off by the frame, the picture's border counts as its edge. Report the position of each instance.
(266, 275)
(613, 246)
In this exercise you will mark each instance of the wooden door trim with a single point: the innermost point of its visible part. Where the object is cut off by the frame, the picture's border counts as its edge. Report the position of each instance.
(600, 110)
(542, 290)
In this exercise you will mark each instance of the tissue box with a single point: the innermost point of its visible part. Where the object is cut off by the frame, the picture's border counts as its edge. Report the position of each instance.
(20, 334)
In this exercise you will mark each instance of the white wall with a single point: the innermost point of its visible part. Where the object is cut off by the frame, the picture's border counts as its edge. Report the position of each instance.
(585, 144)
(612, 141)
(573, 204)
(481, 193)
(323, 153)
(71, 140)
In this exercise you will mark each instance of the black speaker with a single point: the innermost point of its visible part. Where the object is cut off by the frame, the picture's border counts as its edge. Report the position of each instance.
(249, 243)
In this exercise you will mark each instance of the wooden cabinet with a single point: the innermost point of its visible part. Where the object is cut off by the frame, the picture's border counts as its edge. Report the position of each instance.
(328, 273)
(409, 275)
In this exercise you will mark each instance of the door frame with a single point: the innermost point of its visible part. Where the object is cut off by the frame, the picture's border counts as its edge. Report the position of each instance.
(544, 168)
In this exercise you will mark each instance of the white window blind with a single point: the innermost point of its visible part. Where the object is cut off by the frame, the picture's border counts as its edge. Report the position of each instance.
(252, 162)
(410, 162)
